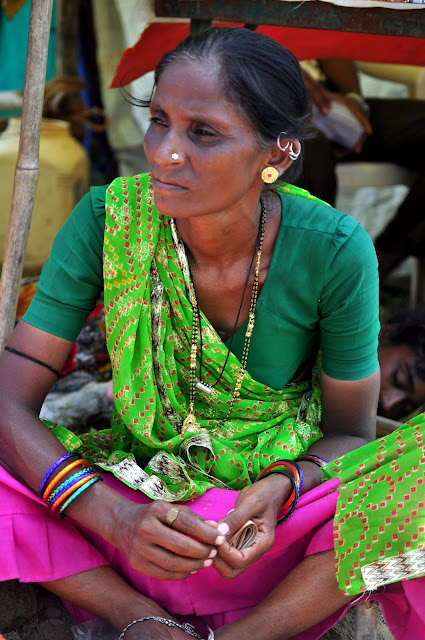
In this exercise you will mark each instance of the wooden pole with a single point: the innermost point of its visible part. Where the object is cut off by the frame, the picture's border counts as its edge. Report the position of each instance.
(27, 165)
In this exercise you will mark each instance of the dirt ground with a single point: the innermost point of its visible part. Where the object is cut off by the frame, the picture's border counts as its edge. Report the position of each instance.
(29, 612)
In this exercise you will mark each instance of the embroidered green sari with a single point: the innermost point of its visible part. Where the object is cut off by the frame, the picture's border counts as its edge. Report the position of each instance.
(148, 317)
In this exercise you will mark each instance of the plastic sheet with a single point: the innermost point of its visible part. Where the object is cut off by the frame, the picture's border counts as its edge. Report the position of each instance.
(94, 630)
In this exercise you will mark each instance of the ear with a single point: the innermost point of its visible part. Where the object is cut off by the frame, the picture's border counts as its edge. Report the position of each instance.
(284, 152)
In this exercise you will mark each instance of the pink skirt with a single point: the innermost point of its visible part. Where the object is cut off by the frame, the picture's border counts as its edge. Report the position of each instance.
(38, 547)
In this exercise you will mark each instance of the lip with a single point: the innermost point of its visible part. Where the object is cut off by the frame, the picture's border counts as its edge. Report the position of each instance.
(165, 184)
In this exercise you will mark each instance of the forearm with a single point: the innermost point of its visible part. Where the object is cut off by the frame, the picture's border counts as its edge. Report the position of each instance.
(342, 74)
(329, 447)
(28, 449)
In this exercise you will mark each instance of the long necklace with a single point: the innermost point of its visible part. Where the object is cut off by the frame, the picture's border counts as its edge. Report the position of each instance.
(189, 423)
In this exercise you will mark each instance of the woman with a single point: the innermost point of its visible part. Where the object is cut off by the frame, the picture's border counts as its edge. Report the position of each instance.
(217, 295)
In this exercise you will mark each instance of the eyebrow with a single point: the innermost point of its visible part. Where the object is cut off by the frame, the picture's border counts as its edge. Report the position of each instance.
(208, 120)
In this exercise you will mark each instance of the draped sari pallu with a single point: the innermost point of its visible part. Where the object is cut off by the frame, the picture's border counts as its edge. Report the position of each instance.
(379, 523)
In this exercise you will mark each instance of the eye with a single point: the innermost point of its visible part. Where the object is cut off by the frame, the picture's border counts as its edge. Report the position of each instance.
(156, 121)
(200, 132)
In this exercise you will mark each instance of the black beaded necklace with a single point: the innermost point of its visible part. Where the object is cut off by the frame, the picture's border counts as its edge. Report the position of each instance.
(201, 384)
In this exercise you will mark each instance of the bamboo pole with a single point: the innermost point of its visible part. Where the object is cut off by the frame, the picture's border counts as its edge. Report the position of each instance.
(27, 165)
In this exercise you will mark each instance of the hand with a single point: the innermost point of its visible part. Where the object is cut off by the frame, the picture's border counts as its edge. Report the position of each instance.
(161, 551)
(321, 97)
(356, 109)
(260, 502)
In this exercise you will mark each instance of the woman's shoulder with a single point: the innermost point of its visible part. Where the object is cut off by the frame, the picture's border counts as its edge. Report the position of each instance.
(308, 216)
(302, 210)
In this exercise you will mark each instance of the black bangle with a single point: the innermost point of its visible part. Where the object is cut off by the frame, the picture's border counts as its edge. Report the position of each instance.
(295, 487)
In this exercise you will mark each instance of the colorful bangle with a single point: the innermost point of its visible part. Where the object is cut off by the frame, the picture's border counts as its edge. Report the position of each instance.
(292, 501)
(288, 464)
(293, 472)
(61, 474)
(315, 459)
(77, 493)
(67, 484)
(53, 468)
(59, 501)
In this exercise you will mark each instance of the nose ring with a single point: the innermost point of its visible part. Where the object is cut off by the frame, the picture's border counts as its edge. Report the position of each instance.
(175, 156)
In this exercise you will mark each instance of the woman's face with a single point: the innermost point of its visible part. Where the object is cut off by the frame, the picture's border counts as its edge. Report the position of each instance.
(219, 164)
(402, 391)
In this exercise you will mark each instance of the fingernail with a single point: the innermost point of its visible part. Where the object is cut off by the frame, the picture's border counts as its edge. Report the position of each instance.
(219, 540)
(224, 528)
(213, 553)
(193, 572)
(208, 563)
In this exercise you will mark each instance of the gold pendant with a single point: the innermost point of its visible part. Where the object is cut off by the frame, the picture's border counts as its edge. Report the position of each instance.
(190, 424)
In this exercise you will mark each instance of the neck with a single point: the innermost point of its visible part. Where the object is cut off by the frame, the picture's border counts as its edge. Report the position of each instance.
(220, 238)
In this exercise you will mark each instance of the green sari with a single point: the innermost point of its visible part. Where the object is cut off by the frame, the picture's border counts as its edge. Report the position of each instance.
(379, 527)
(148, 317)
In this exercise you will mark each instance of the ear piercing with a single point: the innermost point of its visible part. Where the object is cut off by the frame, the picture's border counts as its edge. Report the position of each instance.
(291, 153)
(175, 156)
(269, 175)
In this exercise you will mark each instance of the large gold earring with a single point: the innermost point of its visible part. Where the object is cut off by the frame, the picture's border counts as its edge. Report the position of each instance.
(269, 175)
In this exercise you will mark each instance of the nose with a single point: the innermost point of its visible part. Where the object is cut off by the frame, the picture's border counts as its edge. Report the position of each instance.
(170, 150)
(390, 402)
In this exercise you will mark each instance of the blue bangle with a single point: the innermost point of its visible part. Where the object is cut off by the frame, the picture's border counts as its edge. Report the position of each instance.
(315, 459)
(77, 493)
(67, 484)
(53, 468)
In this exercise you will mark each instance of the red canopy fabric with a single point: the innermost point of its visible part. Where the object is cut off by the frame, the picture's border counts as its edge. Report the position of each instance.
(160, 37)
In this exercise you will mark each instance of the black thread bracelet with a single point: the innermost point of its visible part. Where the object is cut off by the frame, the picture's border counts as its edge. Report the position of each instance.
(40, 362)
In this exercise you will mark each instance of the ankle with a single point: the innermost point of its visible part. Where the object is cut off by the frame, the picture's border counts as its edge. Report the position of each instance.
(137, 607)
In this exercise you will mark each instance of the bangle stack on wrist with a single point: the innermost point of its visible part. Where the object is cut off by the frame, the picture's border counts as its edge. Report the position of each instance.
(59, 496)
(293, 472)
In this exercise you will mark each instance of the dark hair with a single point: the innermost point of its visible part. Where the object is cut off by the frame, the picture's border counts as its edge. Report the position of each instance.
(408, 328)
(262, 78)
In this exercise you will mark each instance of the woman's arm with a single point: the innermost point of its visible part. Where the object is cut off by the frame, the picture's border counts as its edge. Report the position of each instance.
(348, 422)
(28, 449)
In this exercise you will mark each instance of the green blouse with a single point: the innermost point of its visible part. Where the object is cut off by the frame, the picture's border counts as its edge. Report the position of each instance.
(321, 290)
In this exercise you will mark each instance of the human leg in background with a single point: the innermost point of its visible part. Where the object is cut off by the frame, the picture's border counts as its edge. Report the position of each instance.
(399, 137)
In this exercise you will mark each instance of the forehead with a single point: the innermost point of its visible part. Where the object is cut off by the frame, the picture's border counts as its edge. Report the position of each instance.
(194, 88)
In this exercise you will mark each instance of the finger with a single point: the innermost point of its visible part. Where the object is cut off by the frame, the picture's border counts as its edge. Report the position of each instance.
(182, 545)
(360, 143)
(189, 523)
(228, 570)
(177, 564)
(246, 510)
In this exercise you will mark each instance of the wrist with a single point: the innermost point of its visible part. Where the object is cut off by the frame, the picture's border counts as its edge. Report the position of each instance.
(98, 509)
(353, 95)
(279, 489)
